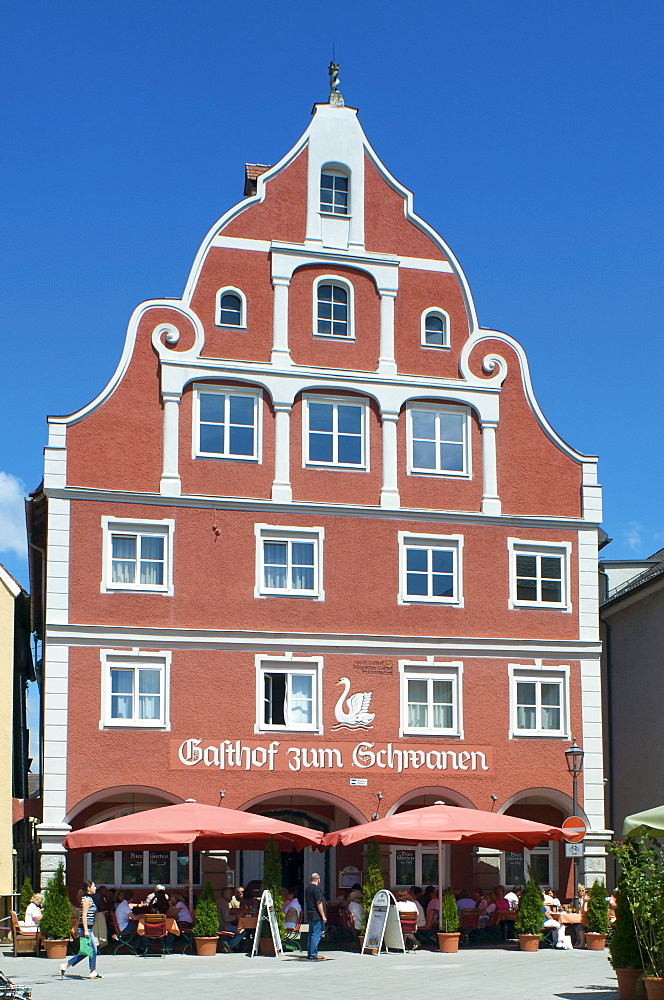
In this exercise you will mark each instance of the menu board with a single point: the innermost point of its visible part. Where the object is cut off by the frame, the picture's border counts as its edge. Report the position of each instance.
(383, 925)
(266, 913)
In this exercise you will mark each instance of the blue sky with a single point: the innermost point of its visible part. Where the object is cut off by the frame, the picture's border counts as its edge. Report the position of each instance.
(530, 133)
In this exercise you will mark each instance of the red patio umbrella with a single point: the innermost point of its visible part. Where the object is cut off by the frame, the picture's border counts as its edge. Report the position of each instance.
(444, 824)
(198, 826)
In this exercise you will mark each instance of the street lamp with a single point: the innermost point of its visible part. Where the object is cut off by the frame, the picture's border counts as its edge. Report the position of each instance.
(574, 759)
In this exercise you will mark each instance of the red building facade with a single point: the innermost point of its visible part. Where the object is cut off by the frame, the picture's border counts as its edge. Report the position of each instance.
(316, 547)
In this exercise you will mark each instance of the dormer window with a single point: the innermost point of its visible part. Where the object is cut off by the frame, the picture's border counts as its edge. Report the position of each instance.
(435, 328)
(231, 308)
(333, 308)
(333, 193)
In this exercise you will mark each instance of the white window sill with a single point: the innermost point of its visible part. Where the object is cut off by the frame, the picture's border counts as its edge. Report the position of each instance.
(334, 336)
(111, 588)
(227, 458)
(439, 475)
(534, 606)
(231, 326)
(539, 734)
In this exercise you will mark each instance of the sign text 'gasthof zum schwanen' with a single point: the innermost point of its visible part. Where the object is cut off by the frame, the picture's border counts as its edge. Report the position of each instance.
(280, 755)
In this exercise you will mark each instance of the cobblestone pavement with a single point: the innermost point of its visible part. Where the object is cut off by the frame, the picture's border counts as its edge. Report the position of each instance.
(472, 974)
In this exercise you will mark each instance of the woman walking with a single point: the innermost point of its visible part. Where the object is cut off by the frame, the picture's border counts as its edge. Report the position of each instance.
(87, 918)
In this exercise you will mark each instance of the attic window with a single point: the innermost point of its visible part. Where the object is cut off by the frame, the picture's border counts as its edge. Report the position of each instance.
(333, 193)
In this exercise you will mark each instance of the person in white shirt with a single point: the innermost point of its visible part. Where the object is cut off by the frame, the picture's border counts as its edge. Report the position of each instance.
(33, 913)
(512, 897)
(124, 916)
(292, 909)
(355, 908)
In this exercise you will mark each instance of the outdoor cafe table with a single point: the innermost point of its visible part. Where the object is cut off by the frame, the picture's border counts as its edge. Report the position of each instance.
(171, 926)
(247, 923)
(563, 917)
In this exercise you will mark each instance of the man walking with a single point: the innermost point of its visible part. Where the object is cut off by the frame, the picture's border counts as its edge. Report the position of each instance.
(314, 907)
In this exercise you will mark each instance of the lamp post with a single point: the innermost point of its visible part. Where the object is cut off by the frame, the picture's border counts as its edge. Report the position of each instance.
(574, 759)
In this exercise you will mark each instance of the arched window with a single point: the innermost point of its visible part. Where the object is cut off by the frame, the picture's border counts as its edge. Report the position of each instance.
(334, 191)
(231, 308)
(435, 328)
(332, 310)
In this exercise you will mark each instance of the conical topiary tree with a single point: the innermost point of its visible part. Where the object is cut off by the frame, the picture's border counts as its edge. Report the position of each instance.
(206, 923)
(624, 950)
(272, 880)
(374, 882)
(27, 892)
(531, 915)
(56, 911)
(598, 908)
(450, 918)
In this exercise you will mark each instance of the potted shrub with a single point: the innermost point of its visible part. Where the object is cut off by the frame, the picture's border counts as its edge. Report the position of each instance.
(642, 864)
(598, 917)
(373, 883)
(206, 923)
(624, 953)
(531, 916)
(272, 881)
(55, 924)
(448, 936)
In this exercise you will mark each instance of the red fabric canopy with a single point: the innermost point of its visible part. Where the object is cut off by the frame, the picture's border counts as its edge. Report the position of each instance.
(450, 825)
(204, 827)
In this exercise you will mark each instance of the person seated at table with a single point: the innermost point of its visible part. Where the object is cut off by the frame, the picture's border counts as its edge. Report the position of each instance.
(550, 923)
(479, 900)
(291, 909)
(427, 934)
(488, 911)
(33, 913)
(236, 901)
(502, 906)
(513, 896)
(550, 898)
(228, 917)
(579, 930)
(426, 897)
(126, 919)
(180, 912)
(250, 903)
(158, 901)
(464, 901)
(407, 906)
(355, 908)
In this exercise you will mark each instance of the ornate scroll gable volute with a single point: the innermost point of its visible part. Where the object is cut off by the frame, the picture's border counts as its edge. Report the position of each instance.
(494, 365)
(179, 334)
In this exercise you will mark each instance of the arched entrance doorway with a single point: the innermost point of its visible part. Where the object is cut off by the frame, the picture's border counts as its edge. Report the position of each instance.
(318, 811)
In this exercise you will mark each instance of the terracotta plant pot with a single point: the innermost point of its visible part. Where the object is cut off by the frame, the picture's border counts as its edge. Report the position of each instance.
(627, 980)
(206, 945)
(448, 943)
(529, 942)
(56, 948)
(595, 942)
(654, 988)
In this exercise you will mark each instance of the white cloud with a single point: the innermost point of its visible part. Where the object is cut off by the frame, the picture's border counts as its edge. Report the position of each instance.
(12, 515)
(634, 536)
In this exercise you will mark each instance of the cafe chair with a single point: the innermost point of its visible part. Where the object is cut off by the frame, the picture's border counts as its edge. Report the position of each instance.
(408, 929)
(26, 940)
(154, 928)
(123, 939)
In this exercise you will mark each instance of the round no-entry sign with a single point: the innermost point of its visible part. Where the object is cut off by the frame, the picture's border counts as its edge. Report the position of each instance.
(575, 829)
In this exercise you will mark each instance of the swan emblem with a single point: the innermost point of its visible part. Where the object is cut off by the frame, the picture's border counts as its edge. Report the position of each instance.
(355, 715)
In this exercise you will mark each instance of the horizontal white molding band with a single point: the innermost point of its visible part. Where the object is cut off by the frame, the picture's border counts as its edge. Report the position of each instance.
(264, 246)
(304, 507)
(127, 636)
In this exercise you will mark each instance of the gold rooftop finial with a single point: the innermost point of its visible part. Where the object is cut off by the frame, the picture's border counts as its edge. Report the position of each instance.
(336, 100)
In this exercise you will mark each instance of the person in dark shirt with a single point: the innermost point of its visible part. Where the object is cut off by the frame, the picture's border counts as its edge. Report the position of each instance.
(314, 908)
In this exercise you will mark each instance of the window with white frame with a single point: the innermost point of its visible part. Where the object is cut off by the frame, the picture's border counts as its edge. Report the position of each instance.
(135, 689)
(288, 695)
(289, 562)
(430, 569)
(335, 432)
(431, 699)
(334, 191)
(539, 574)
(333, 309)
(435, 328)
(142, 868)
(439, 439)
(539, 701)
(227, 423)
(516, 866)
(231, 308)
(417, 865)
(137, 555)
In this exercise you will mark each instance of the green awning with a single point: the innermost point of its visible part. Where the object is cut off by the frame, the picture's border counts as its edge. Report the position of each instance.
(649, 823)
